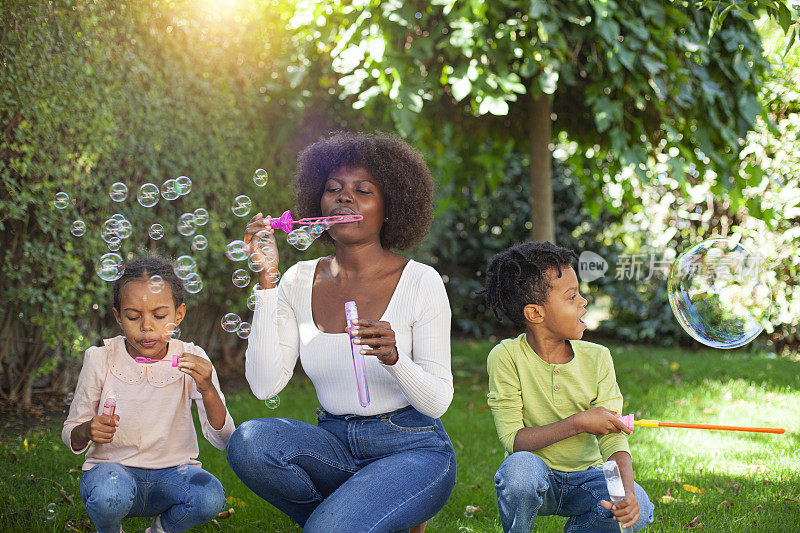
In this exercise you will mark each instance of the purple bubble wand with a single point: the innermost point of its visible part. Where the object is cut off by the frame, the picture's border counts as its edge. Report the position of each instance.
(285, 221)
(351, 314)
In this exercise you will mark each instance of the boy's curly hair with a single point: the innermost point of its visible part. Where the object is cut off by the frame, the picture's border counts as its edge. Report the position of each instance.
(397, 168)
(145, 268)
(521, 276)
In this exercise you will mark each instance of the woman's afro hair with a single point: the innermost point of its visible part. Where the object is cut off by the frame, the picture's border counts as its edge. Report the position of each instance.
(521, 276)
(397, 168)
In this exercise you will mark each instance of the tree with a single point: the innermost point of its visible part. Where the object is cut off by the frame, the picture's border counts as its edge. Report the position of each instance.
(616, 84)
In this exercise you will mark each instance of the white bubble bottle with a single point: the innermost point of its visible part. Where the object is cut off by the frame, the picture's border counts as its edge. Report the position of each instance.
(351, 314)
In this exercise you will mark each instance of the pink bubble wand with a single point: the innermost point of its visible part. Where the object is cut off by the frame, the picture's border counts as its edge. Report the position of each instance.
(630, 423)
(285, 221)
(145, 360)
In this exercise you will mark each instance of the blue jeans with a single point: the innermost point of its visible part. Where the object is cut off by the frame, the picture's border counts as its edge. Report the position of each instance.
(378, 473)
(527, 487)
(184, 496)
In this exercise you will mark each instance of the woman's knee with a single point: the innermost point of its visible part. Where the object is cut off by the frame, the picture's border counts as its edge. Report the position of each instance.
(521, 474)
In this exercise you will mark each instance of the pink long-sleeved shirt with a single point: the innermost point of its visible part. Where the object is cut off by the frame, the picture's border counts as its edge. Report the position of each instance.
(154, 404)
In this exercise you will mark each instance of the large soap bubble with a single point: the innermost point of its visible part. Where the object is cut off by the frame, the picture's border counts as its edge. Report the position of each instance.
(241, 205)
(717, 295)
(147, 195)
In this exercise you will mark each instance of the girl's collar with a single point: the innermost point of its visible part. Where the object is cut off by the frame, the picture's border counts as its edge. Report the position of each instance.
(123, 366)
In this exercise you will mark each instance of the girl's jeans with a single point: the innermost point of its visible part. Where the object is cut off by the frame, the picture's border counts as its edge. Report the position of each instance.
(527, 487)
(378, 473)
(184, 496)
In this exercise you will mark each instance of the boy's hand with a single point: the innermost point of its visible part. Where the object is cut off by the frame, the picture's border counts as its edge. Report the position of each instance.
(101, 428)
(198, 368)
(599, 421)
(626, 511)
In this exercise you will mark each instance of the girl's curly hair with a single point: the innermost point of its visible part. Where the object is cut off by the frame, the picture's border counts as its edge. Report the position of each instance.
(398, 169)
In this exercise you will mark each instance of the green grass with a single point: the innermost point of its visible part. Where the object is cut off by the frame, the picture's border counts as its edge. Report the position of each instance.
(756, 474)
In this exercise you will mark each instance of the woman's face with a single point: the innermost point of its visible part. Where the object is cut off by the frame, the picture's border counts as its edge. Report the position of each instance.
(351, 191)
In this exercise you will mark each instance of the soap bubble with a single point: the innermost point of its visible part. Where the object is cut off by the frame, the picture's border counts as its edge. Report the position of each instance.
(50, 512)
(124, 228)
(716, 293)
(315, 230)
(252, 301)
(113, 477)
(300, 238)
(272, 274)
(230, 322)
(156, 231)
(193, 283)
(184, 266)
(169, 190)
(109, 230)
(199, 242)
(243, 331)
(269, 251)
(183, 469)
(147, 195)
(69, 398)
(186, 225)
(183, 185)
(260, 177)
(236, 250)
(200, 216)
(61, 200)
(110, 267)
(279, 316)
(155, 284)
(118, 191)
(78, 228)
(171, 331)
(115, 245)
(240, 278)
(241, 205)
(273, 402)
(256, 262)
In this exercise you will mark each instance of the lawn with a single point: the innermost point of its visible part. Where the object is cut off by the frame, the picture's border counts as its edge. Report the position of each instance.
(709, 480)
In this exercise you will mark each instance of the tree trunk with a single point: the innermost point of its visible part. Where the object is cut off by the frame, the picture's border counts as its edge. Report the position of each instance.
(541, 198)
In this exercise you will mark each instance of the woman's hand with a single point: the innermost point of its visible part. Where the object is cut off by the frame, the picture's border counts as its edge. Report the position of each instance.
(263, 249)
(377, 338)
(199, 369)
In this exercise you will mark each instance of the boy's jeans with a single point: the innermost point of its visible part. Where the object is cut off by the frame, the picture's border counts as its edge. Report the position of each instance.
(185, 496)
(349, 473)
(527, 487)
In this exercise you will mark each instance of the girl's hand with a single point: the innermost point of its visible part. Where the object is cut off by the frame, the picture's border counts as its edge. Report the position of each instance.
(263, 249)
(101, 428)
(199, 369)
(377, 338)
(626, 511)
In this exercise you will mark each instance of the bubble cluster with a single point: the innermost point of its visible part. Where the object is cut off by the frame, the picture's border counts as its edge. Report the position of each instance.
(243, 331)
(186, 224)
(240, 278)
(236, 250)
(110, 267)
(300, 238)
(118, 191)
(148, 195)
(716, 293)
(156, 231)
(184, 266)
(230, 322)
(241, 205)
(200, 216)
(273, 402)
(260, 177)
(78, 228)
(61, 200)
(199, 242)
(169, 190)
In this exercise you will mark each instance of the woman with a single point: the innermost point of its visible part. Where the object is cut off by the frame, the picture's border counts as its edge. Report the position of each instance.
(389, 465)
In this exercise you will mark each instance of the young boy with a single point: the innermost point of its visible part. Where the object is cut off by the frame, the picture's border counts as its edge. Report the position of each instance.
(554, 398)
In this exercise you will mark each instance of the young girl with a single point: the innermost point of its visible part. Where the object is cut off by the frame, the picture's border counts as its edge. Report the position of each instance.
(144, 458)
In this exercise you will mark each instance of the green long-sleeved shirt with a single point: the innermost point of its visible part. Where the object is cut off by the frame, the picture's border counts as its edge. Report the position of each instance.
(525, 391)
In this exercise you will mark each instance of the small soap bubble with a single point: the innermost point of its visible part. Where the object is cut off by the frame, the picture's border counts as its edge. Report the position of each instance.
(183, 470)
(61, 200)
(50, 512)
(69, 398)
(470, 511)
(199, 242)
(716, 293)
(78, 228)
(270, 254)
(193, 283)
(260, 177)
(241, 205)
(169, 190)
(171, 331)
(200, 216)
(315, 230)
(184, 266)
(156, 231)
(147, 195)
(114, 246)
(279, 316)
(183, 185)
(155, 284)
(124, 228)
(186, 225)
(300, 238)
(256, 262)
(230, 322)
(252, 301)
(273, 402)
(113, 477)
(118, 191)
(243, 330)
(272, 274)
(109, 231)
(240, 278)
(236, 250)
(110, 267)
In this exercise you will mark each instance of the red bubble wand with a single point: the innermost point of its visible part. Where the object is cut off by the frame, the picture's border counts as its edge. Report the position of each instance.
(630, 423)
